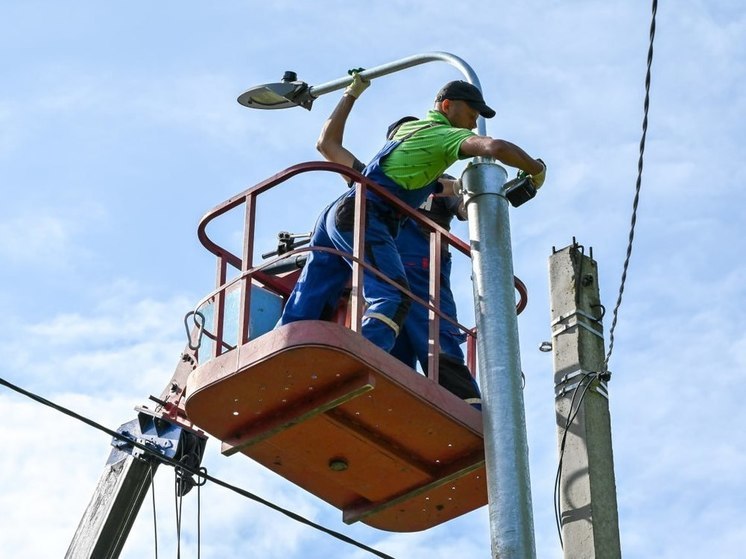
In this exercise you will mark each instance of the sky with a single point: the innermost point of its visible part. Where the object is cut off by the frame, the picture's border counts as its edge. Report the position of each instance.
(119, 129)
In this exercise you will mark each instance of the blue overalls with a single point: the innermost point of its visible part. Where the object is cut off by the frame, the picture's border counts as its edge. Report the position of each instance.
(325, 275)
(412, 344)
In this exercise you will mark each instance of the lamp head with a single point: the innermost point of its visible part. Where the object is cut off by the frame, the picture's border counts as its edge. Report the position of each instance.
(279, 95)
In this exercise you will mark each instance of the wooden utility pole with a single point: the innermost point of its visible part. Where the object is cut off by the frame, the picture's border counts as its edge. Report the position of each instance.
(587, 490)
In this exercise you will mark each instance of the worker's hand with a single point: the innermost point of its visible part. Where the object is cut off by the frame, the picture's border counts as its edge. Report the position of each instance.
(358, 85)
(537, 179)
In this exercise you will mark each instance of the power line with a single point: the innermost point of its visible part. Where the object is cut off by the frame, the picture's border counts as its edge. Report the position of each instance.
(582, 387)
(646, 105)
(155, 520)
(199, 472)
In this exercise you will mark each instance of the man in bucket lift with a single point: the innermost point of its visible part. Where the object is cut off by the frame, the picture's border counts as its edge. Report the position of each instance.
(408, 166)
(413, 245)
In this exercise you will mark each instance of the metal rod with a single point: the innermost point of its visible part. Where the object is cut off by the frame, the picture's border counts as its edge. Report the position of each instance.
(402, 64)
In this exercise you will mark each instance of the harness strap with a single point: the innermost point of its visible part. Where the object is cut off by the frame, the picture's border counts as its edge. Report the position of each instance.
(413, 132)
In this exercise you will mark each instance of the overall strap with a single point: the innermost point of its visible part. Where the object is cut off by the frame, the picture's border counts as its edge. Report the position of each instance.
(413, 132)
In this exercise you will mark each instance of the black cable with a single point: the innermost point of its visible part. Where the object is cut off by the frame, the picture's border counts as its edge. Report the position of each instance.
(155, 520)
(199, 518)
(178, 501)
(585, 381)
(558, 476)
(646, 106)
(199, 472)
(190, 455)
(297, 517)
(588, 378)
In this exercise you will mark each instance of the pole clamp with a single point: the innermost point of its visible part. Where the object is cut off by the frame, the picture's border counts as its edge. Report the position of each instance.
(570, 382)
(559, 326)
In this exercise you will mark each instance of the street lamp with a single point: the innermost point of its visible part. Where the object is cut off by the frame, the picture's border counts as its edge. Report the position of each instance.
(291, 93)
(279, 95)
(504, 424)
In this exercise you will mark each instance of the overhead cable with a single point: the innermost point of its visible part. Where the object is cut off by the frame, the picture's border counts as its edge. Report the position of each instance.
(646, 105)
(201, 472)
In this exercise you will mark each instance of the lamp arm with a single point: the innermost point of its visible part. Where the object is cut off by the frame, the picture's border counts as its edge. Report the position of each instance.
(317, 91)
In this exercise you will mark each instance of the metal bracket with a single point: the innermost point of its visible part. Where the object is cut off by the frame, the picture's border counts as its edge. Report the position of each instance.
(570, 381)
(568, 325)
(164, 437)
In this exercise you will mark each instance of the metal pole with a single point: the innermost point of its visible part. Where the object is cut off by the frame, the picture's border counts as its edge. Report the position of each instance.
(506, 447)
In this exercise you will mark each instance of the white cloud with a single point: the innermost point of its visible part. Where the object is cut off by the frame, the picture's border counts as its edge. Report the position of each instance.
(126, 342)
(567, 81)
(38, 237)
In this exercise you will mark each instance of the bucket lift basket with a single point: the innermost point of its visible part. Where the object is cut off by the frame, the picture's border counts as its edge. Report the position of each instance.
(319, 404)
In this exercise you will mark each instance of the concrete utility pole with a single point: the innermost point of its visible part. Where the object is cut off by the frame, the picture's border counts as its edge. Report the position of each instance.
(587, 490)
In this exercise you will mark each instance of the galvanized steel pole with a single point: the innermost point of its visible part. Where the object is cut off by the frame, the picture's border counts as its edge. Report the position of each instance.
(506, 447)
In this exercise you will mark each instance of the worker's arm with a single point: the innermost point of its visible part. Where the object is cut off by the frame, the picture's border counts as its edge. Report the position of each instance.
(329, 143)
(505, 152)
(330, 140)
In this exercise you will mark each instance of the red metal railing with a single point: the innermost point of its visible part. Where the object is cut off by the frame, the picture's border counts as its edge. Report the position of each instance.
(248, 272)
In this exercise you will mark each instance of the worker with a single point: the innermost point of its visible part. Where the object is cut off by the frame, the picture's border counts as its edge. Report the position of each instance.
(408, 166)
(412, 345)
(413, 244)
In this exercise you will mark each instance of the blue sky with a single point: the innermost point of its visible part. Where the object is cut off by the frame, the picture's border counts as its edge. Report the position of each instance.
(119, 129)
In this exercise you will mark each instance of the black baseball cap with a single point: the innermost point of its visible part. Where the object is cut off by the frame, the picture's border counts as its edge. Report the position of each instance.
(464, 91)
(391, 130)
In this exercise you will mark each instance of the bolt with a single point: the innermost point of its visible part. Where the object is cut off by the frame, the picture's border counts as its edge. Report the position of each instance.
(338, 464)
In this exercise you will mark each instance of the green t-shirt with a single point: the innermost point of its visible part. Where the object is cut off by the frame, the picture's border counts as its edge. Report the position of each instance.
(426, 155)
